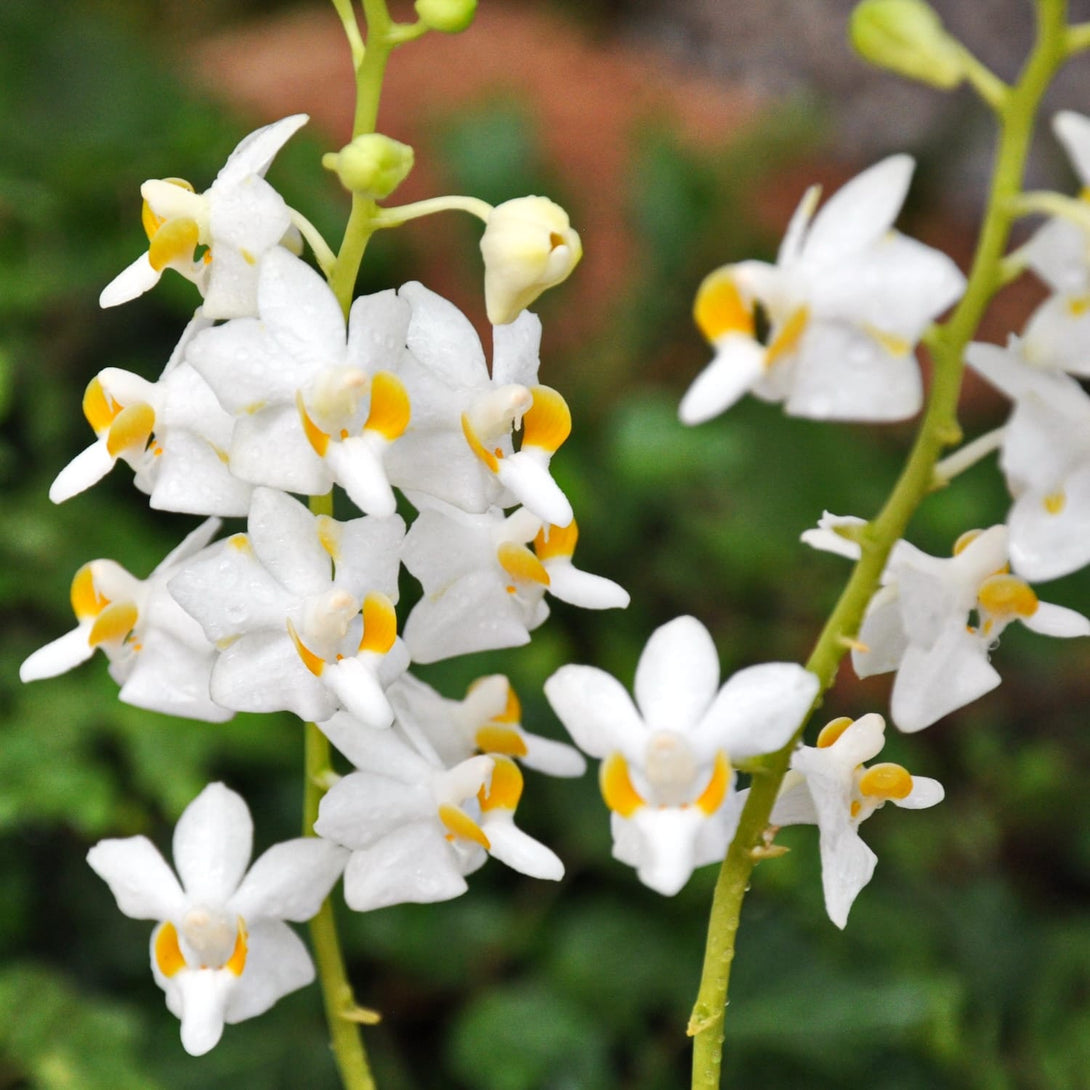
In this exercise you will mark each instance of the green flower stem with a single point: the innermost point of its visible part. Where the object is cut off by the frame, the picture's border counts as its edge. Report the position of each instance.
(395, 217)
(342, 1011)
(938, 429)
(383, 36)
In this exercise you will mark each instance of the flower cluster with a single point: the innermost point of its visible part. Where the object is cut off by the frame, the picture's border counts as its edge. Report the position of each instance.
(274, 392)
(830, 330)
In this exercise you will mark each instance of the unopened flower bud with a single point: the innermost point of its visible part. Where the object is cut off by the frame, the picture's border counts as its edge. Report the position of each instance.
(373, 165)
(907, 37)
(449, 16)
(528, 245)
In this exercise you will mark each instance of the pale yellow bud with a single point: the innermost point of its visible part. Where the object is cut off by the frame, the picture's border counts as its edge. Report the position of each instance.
(907, 37)
(373, 165)
(449, 16)
(528, 245)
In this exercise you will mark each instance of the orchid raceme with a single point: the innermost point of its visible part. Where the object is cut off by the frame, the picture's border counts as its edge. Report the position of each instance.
(846, 302)
(935, 621)
(301, 611)
(1046, 459)
(666, 772)
(217, 238)
(829, 786)
(416, 827)
(221, 950)
(157, 652)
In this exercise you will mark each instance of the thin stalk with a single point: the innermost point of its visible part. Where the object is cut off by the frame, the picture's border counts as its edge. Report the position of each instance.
(342, 1011)
(938, 430)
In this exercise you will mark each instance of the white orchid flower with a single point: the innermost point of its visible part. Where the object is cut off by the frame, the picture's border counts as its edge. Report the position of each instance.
(315, 401)
(1046, 459)
(458, 447)
(218, 238)
(221, 950)
(935, 620)
(829, 786)
(415, 827)
(845, 304)
(173, 433)
(301, 610)
(487, 720)
(666, 770)
(158, 654)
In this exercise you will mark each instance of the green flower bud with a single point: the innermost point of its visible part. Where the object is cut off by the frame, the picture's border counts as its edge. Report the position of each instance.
(449, 16)
(373, 165)
(907, 37)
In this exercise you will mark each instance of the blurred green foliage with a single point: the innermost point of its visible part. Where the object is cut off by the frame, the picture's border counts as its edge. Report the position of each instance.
(967, 960)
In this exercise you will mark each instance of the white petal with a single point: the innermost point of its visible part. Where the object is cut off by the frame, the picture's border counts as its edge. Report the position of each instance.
(847, 865)
(192, 478)
(277, 963)
(793, 805)
(364, 807)
(356, 465)
(301, 311)
(270, 448)
(204, 994)
(412, 865)
(791, 245)
(262, 672)
(246, 367)
(1053, 620)
(1045, 545)
(58, 656)
(552, 757)
(933, 682)
(377, 327)
(882, 634)
(846, 374)
(442, 339)
(515, 348)
(1073, 131)
(359, 692)
(228, 591)
(677, 676)
(171, 676)
(597, 712)
(925, 792)
(285, 540)
(738, 363)
(367, 554)
(212, 844)
(756, 711)
(580, 588)
(383, 752)
(472, 614)
(527, 476)
(87, 468)
(139, 878)
(510, 845)
(667, 854)
(256, 151)
(133, 280)
(290, 880)
(860, 212)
